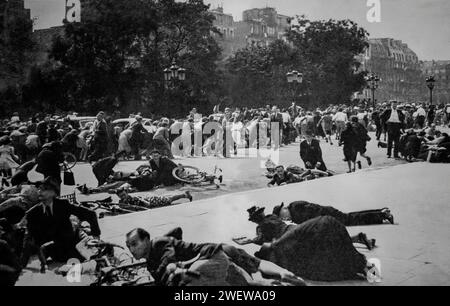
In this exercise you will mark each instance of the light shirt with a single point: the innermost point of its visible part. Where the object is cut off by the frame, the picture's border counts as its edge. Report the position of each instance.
(286, 117)
(394, 117)
(421, 112)
(340, 116)
(361, 116)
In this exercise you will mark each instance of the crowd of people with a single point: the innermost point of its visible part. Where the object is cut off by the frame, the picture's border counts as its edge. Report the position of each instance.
(34, 220)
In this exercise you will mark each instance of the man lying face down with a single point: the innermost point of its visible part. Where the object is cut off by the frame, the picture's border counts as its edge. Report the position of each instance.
(218, 264)
(301, 211)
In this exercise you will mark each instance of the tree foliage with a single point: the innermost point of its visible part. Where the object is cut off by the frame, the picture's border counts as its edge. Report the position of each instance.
(324, 51)
(115, 58)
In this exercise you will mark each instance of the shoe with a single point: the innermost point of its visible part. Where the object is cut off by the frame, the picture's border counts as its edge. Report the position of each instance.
(368, 243)
(359, 165)
(389, 156)
(189, 196)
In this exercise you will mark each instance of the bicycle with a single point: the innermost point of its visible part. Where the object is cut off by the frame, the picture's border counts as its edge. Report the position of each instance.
(193, 176)
(70, 160)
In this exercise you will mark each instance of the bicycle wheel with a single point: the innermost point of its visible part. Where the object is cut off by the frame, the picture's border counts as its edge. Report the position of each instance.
(189, 175)
(70, 160)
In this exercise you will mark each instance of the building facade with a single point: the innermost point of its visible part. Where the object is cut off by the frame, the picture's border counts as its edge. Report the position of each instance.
(258, 27)
(399, 69)
(228, 39)
(441, 72)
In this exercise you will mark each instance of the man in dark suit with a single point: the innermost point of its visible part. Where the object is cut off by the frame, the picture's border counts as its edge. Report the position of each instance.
(49, 159)
(163, 168)
(276, 117)
(395, 120)
(311, 153)
(163, 254)
(49, 221)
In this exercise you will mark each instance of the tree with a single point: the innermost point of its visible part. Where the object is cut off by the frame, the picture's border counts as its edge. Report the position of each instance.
(96, 58)
(324, 51)
(115, 58)
(16, 44)
(183, 34)
(331, 48)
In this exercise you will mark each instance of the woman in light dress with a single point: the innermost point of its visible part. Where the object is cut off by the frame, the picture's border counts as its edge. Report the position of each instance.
(8, 159)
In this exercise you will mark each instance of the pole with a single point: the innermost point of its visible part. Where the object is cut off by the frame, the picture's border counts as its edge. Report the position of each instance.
(431, 96)
(373, 97)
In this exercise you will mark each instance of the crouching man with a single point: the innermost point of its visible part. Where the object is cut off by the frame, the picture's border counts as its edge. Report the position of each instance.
(50, 222)
(214, 264)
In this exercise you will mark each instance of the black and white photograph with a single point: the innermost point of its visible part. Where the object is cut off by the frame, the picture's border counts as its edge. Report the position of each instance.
(259, 144)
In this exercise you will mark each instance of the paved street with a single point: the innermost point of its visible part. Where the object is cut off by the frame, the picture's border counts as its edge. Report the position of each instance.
(413, 252)
(241, 173)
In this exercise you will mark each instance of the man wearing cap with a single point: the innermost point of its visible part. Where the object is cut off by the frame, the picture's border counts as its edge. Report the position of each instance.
(100, 140)
(50, 221)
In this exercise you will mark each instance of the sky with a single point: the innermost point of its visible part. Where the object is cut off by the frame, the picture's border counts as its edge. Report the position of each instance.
(423, 24)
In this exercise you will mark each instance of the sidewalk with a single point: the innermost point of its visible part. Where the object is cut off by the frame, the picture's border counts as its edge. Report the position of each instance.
(414, 252)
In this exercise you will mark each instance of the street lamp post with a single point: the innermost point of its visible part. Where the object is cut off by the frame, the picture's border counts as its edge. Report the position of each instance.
(294, 78)
(430, 84)
(373, 81)
(172, 75)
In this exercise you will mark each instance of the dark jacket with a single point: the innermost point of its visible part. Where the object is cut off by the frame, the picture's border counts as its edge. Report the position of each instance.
(137, 135)
(312, 153)
(277, 118)
(302, 211)
(57, 227)
(289, 178)
(164, 171)
(271, 228)
(9, 265)
(387, 114)
(104, 168)
(166, 250)
(48, 163)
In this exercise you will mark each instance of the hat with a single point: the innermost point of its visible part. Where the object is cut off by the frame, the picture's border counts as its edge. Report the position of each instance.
(16, 133)
(23, 129)
(277, 209)
(254, 211)
(50, 183)
(138, 118)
